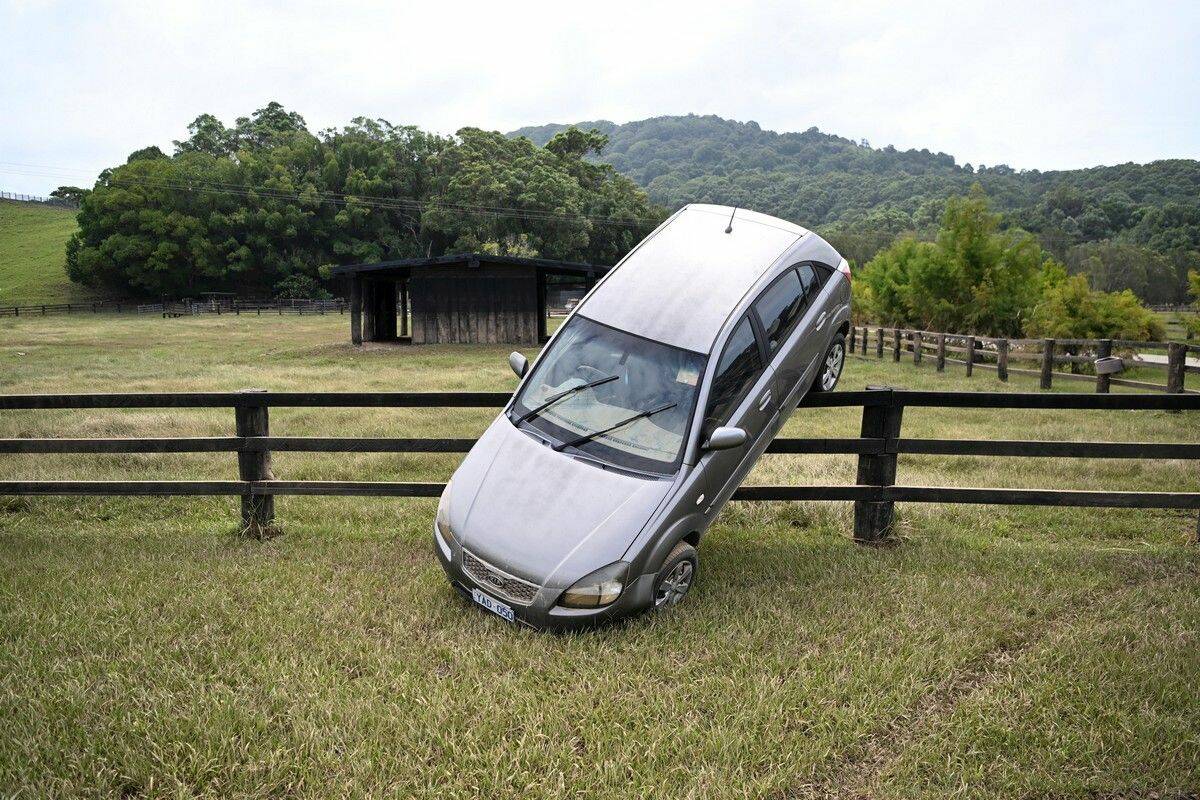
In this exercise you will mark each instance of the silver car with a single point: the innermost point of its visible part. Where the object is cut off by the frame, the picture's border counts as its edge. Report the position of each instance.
(586, 498)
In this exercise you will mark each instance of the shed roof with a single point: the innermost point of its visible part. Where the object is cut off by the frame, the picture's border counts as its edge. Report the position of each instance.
(474, 259)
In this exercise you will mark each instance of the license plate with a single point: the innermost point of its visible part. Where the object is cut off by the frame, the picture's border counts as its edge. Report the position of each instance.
(494, 606)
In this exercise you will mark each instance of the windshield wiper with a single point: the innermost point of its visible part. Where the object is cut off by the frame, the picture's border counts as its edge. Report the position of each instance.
(587, 437)
(528, 415)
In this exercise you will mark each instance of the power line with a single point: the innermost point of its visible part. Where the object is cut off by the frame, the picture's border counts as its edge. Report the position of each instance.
(335, 198)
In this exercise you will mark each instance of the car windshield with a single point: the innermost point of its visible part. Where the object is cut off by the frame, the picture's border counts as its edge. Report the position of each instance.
(624, 375)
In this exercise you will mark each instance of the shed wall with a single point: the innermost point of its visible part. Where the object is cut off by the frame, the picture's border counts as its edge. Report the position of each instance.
(484, 304)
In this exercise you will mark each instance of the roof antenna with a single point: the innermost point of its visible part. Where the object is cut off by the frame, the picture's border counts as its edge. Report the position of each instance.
(729, 227)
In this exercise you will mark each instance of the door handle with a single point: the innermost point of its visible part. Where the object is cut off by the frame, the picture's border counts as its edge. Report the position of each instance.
(821, 320)
(765, 400)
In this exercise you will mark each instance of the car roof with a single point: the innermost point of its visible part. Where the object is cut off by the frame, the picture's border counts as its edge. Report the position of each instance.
(681, 283)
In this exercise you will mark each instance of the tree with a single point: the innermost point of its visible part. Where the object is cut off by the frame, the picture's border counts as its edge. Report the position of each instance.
(971, 279)
(72, 193)
(1070, 309)
(208, 135)
(247, 207)
(301, 287)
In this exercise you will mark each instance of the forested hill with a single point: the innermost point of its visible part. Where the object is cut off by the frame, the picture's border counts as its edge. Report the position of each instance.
(1113, 221)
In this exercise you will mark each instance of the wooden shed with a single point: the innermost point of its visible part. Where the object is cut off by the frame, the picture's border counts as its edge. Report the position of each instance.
(468, 297)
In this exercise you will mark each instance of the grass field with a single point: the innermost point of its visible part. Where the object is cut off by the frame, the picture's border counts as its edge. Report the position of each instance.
(145, 651)
(33, 239)
(1174, 322)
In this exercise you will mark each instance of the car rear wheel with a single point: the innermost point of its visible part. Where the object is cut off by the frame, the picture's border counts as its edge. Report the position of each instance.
(831, 366)
(676, 577)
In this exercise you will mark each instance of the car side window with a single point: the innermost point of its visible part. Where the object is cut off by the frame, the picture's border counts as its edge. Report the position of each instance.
(779, 307)
(813, 278)
(739, 367)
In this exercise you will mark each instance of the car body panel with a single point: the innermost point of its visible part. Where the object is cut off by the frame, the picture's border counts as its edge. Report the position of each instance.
(677, 285)
(561, 510)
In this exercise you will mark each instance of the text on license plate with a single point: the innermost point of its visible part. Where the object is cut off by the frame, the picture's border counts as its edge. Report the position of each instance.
(494, 606)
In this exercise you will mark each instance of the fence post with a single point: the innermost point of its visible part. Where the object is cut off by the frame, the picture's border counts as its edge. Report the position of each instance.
(853, 337)
(879, 344)
(866, 335)
(1176, 362)
(918, 342)
(970, 355)
(941, 352)
(873, 519)
(258, 510)
(1002, 360)
(896, 346)
(1047, 363)
(1103, 350)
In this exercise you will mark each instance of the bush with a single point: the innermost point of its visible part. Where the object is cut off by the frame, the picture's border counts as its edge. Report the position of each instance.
(970, 279)
(301, 287)
(1071, 309)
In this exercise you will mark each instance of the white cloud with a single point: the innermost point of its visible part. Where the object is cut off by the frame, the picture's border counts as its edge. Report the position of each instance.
(1031, 84)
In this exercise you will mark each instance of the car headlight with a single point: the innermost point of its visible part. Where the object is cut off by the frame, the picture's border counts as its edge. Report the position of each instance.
(600, 588)
(442, 519)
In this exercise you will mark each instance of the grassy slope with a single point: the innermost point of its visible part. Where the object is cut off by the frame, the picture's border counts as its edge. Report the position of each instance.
(997, 652)
(32, 242)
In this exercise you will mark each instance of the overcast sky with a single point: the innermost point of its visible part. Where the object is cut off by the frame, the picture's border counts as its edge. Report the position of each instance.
(1031, 84)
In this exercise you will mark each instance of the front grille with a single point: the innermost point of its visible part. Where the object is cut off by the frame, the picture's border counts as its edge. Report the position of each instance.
(492, 579)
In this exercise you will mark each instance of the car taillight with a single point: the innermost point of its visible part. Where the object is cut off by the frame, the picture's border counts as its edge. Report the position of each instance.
(844, 268)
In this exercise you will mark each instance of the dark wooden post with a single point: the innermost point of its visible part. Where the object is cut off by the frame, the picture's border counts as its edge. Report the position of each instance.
(1002, 359)
(918, 341)
(258, 510)
(355, 310)
(853, 337)
(1103, 350)
(1176, 363)
(896, 345)
(941, 352)
(404, 307)
(879, 343)
(873, 519)
(866, 335)
(970, 355)
(1047, 363)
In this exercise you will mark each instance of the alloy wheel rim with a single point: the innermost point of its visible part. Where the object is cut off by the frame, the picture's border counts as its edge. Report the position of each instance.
(833, 367)
(674, 585)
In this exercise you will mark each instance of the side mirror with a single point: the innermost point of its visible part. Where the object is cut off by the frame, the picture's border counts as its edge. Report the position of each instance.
(726, 439)
(519, 363)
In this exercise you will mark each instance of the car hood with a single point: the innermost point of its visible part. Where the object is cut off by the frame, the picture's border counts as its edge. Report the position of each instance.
(545, 516)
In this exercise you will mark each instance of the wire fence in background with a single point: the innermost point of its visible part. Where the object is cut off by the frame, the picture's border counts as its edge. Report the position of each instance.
(16, 197)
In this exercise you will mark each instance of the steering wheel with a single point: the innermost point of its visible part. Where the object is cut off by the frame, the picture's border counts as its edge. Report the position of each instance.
(590, 373)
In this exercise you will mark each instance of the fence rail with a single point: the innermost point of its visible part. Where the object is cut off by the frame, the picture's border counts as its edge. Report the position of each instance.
(874, 493)
(997, 354)
(181, 309)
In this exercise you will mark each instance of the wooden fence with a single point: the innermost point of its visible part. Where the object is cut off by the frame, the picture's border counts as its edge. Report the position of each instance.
(996, 354)
(874, 493)
(180, 309)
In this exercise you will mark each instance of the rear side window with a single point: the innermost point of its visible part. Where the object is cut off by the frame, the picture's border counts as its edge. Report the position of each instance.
(812, 278)
(739, 367)
(779, 307)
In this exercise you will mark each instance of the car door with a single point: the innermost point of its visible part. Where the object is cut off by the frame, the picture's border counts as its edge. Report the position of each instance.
(779, 311)
(742, 396)
(814, 333)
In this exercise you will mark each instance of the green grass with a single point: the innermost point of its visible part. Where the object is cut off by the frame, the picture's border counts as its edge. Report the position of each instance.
(995, 652)
(1175, 323)
(33, 239)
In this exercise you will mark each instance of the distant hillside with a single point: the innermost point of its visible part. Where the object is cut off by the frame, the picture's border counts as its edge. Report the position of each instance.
(33, 239)
(870, 194)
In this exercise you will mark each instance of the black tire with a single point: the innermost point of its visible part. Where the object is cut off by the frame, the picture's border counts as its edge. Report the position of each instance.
(676, 576)
(831, 365)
